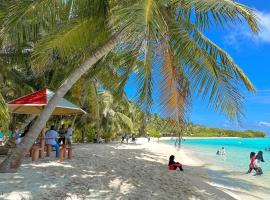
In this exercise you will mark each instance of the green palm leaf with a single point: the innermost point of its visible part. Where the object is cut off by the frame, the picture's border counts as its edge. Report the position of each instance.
(4, 115)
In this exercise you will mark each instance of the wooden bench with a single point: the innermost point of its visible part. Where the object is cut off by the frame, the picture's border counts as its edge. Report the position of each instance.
(62, 152)
(48, 149)
(37, 150)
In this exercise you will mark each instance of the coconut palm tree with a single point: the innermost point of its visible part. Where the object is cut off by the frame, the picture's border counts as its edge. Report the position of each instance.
(114, 115)
(170, 31)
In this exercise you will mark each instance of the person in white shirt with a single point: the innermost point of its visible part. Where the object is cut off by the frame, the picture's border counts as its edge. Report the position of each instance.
(222, 151)
(69, 134)
(51, 139)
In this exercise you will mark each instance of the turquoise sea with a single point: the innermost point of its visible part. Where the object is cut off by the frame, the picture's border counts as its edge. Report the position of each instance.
(237, 152)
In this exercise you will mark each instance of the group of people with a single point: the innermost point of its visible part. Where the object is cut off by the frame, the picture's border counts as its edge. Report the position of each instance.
(255, 163)
(52, 138)
(221, 152)
(126, 137)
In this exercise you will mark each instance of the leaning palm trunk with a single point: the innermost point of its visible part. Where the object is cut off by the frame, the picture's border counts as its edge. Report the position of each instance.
(27, 122)
(10, 143)
(14, 160)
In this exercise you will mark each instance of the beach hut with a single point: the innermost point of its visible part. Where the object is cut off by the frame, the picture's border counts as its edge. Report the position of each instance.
(36, 102)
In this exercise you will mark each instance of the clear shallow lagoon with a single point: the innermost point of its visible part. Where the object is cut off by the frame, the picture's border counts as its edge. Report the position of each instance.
(237, 152)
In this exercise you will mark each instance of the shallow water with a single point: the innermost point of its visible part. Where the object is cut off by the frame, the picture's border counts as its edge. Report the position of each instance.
(237, 152)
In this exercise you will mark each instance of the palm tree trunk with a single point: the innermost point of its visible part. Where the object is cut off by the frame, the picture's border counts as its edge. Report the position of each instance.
(14, 160)
(13, 124)
(28, 121)
(10, 143)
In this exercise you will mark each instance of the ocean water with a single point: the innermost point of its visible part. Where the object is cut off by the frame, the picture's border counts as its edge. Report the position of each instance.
(237, 152)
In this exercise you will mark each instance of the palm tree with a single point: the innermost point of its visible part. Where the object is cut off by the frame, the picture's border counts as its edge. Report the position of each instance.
(171, 30)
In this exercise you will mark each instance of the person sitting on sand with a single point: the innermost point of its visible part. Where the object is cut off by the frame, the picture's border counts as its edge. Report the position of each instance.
(257, 163)
(251, 164)
(174, 165)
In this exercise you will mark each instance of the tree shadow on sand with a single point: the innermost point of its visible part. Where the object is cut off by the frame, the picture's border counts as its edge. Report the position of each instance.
(114, 172)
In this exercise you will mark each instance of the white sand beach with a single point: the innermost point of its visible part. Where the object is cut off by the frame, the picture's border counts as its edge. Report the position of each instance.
(122, 171)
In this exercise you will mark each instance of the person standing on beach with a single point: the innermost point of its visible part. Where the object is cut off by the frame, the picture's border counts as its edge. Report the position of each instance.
(123, 138)
(69, 134)
(251, 164)
(127, 138)
(257, 163)
(222, 151)
(62, 134)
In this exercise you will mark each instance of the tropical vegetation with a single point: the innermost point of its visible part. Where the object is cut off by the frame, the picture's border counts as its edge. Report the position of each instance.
(66, 45)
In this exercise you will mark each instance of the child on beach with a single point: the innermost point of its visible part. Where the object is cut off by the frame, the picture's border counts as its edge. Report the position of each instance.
(251, 164)
(174, 165)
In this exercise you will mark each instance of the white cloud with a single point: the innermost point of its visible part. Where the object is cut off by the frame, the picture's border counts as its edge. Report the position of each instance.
(264, 19)
(264, 25)
(267, 124)
(241, 32)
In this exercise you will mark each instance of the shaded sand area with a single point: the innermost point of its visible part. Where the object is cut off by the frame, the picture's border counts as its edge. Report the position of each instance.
(118, 171)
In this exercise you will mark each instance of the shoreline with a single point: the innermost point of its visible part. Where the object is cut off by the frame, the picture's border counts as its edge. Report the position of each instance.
(237, 184)
(122, 171)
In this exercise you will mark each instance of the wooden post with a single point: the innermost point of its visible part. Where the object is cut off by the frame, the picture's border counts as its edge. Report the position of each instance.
(42, 142)
(35, 154)
(49, 149)
(61, 154)
(64, 150)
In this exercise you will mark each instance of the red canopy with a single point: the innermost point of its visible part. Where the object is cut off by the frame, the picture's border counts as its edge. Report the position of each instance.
(34, 104)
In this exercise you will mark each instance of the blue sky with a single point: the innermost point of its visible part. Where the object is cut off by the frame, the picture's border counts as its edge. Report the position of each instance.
(252, 54)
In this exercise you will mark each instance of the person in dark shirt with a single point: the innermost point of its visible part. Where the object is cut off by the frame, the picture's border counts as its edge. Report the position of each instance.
(174, 165)
(62, 134)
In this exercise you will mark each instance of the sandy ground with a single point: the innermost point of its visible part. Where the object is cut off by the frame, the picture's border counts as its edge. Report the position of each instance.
(117, 171)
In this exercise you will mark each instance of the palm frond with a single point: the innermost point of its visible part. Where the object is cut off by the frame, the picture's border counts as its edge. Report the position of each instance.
(145, 78)
(74, 39)
(217, 54)
(210, 71)
(124, 120)
(175, 98)
(4, 114)
(222, 12)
